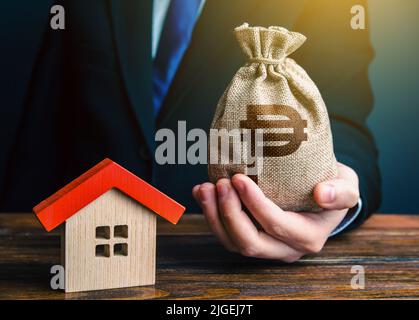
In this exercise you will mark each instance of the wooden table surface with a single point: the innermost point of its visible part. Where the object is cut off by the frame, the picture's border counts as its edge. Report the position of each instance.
(192, 265)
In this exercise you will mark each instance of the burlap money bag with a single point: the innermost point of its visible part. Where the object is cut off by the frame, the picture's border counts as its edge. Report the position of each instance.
(273, 93)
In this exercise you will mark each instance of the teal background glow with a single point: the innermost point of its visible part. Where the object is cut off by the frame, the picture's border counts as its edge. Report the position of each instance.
(394, 74)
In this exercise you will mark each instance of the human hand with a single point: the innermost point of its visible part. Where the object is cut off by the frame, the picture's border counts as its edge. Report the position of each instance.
(286, 235)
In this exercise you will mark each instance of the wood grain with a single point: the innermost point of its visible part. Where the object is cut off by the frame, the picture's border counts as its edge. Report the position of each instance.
(192, 265)
(84, 270)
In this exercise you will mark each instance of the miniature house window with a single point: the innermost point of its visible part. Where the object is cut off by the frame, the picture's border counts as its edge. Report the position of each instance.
(121, 231)
(102, 250)
(103, 232)
(120, 249)
(115, 241)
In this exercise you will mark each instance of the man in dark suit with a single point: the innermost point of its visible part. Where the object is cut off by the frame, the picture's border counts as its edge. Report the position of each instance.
(104, 85)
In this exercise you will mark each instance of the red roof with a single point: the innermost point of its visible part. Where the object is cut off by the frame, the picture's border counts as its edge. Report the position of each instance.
(104, 176)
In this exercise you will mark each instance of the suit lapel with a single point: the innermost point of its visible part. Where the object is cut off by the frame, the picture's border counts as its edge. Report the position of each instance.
(132, 33)
(205, 45)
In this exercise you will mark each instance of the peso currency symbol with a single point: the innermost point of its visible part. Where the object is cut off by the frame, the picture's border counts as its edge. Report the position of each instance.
(283, 129)
(277, 144)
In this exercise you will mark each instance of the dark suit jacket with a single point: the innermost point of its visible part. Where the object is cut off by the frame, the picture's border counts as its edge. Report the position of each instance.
(85, 93)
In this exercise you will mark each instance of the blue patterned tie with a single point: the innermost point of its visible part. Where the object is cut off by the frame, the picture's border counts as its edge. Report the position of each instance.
(175, 37)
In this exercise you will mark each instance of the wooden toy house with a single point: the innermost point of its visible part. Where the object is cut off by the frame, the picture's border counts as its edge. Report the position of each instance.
(109, 228)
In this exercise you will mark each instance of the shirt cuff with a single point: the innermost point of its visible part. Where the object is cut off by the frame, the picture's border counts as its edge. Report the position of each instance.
(350, 217)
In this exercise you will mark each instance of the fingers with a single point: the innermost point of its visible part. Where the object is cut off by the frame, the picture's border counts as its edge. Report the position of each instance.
(248, 239)
(275, 249)
(294, 229)
(326, 220)
(195, 191)
(336, 195)
(206, 197)
(286, 236)
(340, 193)
(263, 209)
(235, 229)
(238, 224)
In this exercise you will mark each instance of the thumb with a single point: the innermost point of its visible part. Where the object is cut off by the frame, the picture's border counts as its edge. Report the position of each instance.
(336, 194)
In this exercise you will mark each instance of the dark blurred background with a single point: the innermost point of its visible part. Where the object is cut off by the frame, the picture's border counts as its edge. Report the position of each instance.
(394, 74)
